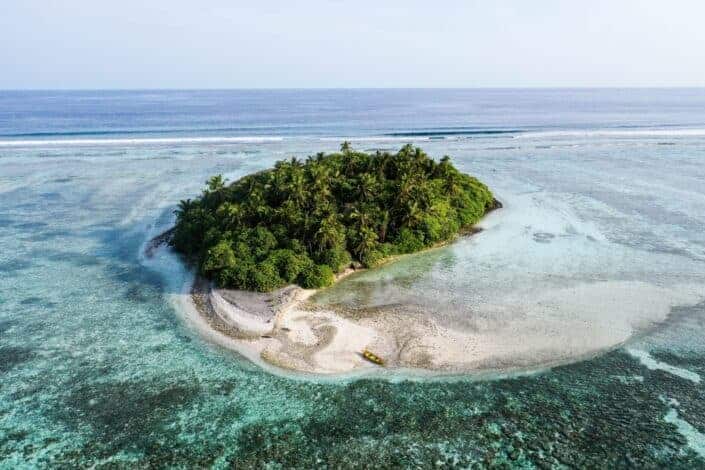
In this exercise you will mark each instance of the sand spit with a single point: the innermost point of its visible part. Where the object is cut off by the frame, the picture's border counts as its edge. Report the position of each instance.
(283, 329)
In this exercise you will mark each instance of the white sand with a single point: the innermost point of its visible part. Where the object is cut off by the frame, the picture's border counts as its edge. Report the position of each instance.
(537, 332)
(237, 317)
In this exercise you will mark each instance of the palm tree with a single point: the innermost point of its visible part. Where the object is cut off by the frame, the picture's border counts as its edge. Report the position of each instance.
(184, 206)
(231, 215)
(320, 178)
(216, 183)
(367, 186)
(406, 186)
(297, 187)
(413, 215)
(330, 234)
(366, 242)
(363, 219)
(289, 214)
(383, 227)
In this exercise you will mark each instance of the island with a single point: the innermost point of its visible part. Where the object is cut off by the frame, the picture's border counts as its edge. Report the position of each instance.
(263, 244)
(303, 222)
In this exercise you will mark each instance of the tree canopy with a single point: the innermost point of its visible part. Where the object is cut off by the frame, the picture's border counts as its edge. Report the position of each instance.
(303, 221)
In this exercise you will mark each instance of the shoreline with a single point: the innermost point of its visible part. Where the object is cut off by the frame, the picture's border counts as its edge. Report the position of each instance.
(285, 333)
(309, 341)
(289, 333)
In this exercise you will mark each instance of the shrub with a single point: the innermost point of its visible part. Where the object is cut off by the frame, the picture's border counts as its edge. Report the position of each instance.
(388, 249)
(409, 241)
(264, 277)
(316, 276)
(337, 258)
(261, 241)
(237, 275)
(219, 257)
(288, 263)
(373, 258)
(296, 246)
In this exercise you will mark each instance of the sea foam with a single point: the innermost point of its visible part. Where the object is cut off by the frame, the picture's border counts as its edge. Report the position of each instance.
(614, 133)
(140, 141)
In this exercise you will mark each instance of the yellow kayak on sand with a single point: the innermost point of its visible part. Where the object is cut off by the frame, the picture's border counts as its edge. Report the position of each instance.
(372, 357)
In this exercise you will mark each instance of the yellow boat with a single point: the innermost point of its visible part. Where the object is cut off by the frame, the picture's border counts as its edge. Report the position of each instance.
(372, 357)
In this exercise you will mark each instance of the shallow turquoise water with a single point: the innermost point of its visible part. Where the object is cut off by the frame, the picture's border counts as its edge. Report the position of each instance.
(96, 367)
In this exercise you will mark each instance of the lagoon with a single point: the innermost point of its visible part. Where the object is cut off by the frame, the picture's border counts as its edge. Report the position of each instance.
(603, 225)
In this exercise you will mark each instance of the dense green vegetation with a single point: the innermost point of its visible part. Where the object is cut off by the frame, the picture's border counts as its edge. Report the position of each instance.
(302, 222)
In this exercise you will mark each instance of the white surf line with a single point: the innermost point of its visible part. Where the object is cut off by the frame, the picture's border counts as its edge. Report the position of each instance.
(626, 133)
(375, 139)
(139, 141)
(694, 438)
(652, 364)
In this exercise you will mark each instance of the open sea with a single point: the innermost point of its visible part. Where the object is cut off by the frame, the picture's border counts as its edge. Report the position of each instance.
(601, 241)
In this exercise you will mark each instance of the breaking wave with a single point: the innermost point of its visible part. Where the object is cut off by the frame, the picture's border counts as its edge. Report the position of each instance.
(615, 133)
(140, 141)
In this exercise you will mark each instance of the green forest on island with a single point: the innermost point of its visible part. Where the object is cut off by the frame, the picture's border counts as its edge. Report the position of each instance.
(303, 221)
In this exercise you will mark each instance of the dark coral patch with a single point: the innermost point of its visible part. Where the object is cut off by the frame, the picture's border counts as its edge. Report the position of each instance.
(11, 356)
(14, 265)
(546, 421)
(31, 301)
(127, 412)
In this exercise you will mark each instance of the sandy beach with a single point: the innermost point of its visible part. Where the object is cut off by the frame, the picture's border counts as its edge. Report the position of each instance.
(287, 330)
(284, 330)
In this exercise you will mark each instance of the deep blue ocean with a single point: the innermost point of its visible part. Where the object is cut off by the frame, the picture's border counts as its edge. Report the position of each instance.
(596, 265)
(54, 115)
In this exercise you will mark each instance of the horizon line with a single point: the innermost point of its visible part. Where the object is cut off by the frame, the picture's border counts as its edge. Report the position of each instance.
(650, 87)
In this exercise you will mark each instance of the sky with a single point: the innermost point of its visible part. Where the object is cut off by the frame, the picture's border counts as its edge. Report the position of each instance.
(87, 44)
